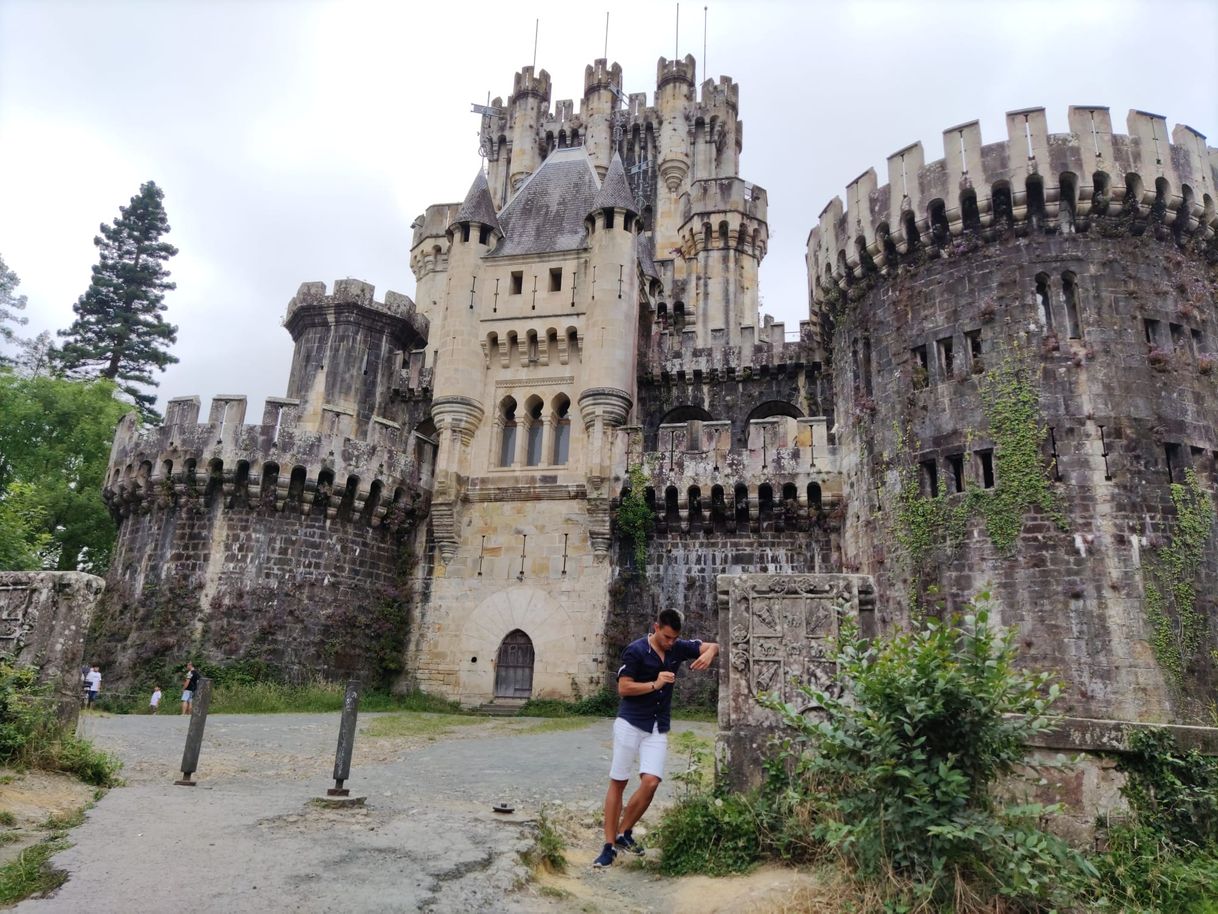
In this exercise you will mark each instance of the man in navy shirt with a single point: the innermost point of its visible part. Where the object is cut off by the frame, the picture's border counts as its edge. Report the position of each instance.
(640, 733)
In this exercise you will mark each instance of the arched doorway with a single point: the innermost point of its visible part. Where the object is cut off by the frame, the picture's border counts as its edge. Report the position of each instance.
(514, 666)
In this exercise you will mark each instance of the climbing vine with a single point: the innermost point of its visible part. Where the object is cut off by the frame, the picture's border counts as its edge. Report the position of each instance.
(1171, 579)
(925, 523)
(635, 517)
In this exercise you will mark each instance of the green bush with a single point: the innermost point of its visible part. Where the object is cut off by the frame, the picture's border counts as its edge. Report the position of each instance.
(30, 733)
(917, 732)
(1165, 859)
(598, 704)
(704, 833)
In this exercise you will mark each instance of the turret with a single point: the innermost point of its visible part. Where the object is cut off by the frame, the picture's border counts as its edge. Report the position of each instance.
(613, 306)
(674, 101)
(529, 103)
(347, 349)
(602, 89)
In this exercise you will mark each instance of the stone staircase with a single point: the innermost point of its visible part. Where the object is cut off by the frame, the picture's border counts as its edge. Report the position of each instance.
(503, 707)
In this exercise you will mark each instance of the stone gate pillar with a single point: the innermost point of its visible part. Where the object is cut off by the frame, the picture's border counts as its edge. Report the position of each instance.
(777, 630)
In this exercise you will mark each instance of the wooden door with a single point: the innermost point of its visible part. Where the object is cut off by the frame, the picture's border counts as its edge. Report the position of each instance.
(514, 667)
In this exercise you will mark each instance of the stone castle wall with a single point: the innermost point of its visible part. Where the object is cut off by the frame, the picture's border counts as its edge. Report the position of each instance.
(1102, 316)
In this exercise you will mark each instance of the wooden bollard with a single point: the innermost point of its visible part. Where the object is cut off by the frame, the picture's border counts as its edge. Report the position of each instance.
(194, 734)
(346, 741)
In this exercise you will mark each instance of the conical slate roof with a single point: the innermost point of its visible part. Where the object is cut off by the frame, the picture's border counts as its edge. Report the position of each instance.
(615, 190)
(547, 213)
(478, 206)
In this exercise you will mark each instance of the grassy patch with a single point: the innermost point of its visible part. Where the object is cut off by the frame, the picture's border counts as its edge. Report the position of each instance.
(413, 724)
(554, 725)
(315, 697)
(64, 822)
(547, 853)
(7, 819)
(31, 873)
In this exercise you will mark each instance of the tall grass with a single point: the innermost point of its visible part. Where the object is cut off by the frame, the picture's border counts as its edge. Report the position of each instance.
(316, 696)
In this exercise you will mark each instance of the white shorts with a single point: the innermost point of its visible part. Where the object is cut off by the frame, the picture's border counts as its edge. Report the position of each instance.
(631, 744)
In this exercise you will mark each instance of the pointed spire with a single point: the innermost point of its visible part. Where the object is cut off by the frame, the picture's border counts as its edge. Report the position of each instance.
(478, 206)
(615, 190)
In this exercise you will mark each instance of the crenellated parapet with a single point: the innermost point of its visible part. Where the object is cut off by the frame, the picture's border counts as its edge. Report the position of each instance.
(381, 478)
(724, 213)
(312, 300)
(1033, 181)
(784, 474)
(762, 350)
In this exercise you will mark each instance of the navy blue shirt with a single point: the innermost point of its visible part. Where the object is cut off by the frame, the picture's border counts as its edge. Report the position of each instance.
(642, 664)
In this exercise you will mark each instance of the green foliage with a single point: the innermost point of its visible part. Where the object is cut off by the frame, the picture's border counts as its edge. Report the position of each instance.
(10, 304)
(1165, 860)
(1170, 580)
(599, 704)
(635, 518)
(705, 833)
(31, 874)
(30, 734)
(55, 438)
(549, 850)
(317, 696)
(917, 731)
(119, 333)
(926, 524)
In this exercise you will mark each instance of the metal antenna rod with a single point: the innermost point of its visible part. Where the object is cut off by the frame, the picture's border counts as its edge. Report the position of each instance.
(676, 41)
(705, 18)
(536, 31)
(606, 35)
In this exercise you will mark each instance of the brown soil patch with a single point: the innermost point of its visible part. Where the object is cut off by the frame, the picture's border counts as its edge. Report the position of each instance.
(32, 797)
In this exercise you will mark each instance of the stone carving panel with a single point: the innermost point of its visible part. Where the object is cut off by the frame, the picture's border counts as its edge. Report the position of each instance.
(779, 631)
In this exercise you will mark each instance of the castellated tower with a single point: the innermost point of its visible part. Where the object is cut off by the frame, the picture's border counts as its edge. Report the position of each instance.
(1023, 348)
(281, 544)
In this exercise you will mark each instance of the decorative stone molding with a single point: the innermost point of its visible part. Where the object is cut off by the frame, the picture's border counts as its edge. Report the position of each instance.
(607, 403)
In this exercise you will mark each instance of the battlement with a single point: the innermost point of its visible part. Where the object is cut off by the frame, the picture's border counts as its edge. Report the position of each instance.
(783, 474)
(279, 463)
(723, 94)
(526, 84)
(670, 71)
(433, 224)
(762, 351)
(732, 202)
(1033, 180)
(599, 75)
(354, 293)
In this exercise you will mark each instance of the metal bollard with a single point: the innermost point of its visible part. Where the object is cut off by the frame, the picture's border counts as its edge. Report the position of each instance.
(194, 734)
(346, 740)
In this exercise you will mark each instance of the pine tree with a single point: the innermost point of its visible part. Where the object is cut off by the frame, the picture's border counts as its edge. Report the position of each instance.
(10, 304)
(119, 333)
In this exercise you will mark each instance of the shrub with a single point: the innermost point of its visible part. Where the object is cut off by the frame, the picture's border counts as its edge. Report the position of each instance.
(704, 833)
(917, 732)
(1165, 859)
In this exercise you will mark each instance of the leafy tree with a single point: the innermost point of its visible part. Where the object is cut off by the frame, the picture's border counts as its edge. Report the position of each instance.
(36, 356)
(119, 333)
(55, 437)
(10, 304)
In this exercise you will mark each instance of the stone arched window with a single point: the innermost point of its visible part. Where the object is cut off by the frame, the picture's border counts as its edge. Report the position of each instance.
(536, 430)
(507, 432)
(562, 430)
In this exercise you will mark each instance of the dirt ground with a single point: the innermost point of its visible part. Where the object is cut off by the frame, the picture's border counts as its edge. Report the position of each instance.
(249, 839)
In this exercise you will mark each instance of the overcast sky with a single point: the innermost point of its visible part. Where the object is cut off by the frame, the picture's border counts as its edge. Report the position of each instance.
(296, 141)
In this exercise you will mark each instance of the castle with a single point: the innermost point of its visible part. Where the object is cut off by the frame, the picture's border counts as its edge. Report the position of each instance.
(1006, 383)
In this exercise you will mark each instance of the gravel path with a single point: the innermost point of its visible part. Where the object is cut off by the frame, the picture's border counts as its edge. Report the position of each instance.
(247, 838)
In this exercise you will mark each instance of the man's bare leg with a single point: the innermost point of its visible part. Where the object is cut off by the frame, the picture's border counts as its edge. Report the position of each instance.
(613, 808)
(638, 803)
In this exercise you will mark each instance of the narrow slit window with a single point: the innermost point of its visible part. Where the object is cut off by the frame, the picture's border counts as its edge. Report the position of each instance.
(1175, 457)
(517, 282)
(973, 338)
(1070, 300)
(556, 279)
(921, 367)
(1042, 300)
(1151, 329)
(1198, 342)
(536, 428)
(1178, 337)
(930, 478)
(955, 463)
(985, 462)
(946, 356)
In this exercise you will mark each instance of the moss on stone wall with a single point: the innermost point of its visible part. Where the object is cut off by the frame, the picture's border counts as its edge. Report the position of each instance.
(1170, 579)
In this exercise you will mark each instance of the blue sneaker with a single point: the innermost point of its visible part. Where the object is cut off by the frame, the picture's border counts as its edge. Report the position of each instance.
(626, 842)
(608, 855)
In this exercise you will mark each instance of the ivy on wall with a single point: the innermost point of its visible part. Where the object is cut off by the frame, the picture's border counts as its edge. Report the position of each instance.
(1170, 580)
(635, 518)
(927, 523)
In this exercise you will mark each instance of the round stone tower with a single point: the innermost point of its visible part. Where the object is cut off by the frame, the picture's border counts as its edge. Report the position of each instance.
(1022, 339)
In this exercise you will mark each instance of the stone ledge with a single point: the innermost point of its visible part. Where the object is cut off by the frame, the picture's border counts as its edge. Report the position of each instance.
(1082, 734)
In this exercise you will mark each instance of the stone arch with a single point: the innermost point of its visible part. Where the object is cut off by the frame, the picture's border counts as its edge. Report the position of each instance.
(519, 608)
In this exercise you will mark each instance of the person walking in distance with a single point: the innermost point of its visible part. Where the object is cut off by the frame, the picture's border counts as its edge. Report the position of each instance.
(189, 684)
(154, 703)
(92, 685)
(640, 732)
